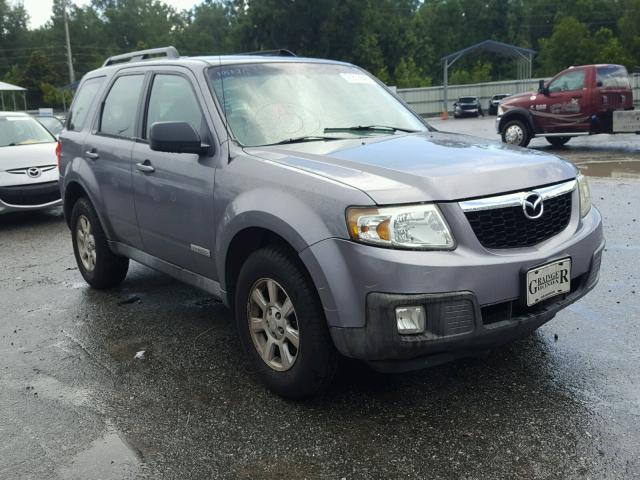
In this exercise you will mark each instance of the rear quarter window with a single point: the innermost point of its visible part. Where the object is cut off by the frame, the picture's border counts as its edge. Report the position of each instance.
(613, 76)
(83, 102)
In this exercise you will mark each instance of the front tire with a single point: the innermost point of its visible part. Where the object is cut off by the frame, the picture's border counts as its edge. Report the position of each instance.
(99, 266)
(516, 132)
(282, 326)
(558, 141)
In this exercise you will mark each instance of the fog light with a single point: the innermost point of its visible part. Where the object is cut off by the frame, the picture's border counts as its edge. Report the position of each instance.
(410, 320)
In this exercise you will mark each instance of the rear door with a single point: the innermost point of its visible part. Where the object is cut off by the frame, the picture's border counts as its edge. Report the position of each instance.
(174, 202)
(108, 150)
(566, 107)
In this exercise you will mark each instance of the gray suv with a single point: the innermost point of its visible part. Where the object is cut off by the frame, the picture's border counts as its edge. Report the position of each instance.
(326, 214)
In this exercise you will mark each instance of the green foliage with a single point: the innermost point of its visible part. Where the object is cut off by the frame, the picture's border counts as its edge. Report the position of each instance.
(400, 41)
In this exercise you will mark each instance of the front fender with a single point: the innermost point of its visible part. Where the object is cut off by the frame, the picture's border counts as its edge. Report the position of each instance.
(279, 212)
(519, 112)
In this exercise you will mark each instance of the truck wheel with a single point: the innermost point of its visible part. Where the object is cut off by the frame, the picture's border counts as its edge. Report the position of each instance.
(282, 325)
(515, 132)
(100, 267)
(558, 141)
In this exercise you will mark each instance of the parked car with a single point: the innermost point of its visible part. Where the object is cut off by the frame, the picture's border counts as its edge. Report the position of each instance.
(467, 106)
(28, 169)
(53, 124)
(495, 101)
(328, 216)
(584, 100)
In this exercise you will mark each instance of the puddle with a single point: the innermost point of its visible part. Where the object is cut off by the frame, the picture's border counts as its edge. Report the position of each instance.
(612, 169)
(106, 458)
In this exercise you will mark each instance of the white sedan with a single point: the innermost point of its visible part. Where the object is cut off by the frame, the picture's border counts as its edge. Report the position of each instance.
(28, 165)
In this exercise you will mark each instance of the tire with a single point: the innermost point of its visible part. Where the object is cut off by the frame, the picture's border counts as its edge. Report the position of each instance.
(290, 372)
(99, 266)
(558, 141)
(515, 132)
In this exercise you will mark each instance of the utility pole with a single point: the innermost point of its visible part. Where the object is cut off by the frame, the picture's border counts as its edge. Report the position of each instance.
(72, 74)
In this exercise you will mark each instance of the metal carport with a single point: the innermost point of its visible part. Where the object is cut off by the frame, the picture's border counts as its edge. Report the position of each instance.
(524, 57)
(7, 87)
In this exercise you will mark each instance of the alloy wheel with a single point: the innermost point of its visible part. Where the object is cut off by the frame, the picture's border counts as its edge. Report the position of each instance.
(86, 243)
(273, 324)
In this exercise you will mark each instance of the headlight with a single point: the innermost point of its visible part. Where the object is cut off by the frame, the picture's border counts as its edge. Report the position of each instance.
(585, 195)
(500, 110)
(414, 226)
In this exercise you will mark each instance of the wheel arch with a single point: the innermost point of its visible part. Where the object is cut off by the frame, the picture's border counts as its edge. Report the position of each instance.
(518, 114)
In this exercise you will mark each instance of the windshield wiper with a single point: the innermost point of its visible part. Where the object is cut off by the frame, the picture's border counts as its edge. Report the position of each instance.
(306, 138)
(369, 128)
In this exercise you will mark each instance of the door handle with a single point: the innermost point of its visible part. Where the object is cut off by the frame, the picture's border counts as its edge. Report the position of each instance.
(92, 153)
(145, 167)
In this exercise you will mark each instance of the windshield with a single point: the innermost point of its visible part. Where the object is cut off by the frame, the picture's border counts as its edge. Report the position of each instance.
(22, 131)
(271, 103)
(467, 99)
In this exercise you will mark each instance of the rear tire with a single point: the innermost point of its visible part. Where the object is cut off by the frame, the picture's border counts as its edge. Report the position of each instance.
(515, 132)
(558, 141)
(282, 325)
(99, 266)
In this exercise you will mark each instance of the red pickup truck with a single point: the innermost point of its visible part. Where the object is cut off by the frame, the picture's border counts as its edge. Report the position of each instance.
(583, 100)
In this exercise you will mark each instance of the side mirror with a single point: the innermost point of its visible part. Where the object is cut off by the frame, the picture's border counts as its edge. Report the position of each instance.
(541, 88)
(176, 137)
(599, 83)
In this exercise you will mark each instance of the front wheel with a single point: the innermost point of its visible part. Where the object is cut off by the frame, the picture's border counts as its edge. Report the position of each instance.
(282, 325)
(515, 132)
(558, 141)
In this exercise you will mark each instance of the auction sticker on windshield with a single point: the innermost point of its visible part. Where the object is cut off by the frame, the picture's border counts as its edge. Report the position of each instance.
(548, 281)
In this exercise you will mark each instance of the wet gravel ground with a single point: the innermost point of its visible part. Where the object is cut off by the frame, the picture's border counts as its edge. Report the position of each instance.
(76, 403)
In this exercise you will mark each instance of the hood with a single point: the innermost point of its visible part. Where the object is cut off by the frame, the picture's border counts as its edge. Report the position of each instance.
(517, 97)
(23, 156)
(430, 166)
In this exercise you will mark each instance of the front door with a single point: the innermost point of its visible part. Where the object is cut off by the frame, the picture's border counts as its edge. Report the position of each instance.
(174, 197)
(563, 108)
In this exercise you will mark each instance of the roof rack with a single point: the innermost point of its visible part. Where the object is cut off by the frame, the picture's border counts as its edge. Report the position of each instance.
(281, 52)
(141, 55)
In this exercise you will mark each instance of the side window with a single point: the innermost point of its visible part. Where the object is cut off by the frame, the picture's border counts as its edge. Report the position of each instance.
(173, 100)
(120, 106)
(82, 103)
(569, 81)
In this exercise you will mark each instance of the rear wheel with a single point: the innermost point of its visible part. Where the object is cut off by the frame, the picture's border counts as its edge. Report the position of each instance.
(282, 325)
(558, 141)
(515, 132)
(100, 267)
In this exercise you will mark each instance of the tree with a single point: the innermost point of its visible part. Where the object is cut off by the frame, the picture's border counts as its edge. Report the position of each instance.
(570, 44)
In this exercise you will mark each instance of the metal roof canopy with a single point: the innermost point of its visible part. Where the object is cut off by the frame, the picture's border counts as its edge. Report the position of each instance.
(7, 87)
(524, 57)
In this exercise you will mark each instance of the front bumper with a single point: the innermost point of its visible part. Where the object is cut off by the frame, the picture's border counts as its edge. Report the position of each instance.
(457, 326)
(360, 285)
(37, 196)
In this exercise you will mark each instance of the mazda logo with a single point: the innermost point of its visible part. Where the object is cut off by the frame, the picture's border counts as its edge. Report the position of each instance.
(34, 172)
(532, 205)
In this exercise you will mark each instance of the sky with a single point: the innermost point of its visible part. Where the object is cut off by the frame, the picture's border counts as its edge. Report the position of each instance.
(40, 10)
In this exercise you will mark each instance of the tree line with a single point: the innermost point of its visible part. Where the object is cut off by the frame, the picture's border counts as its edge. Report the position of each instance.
(400, 41)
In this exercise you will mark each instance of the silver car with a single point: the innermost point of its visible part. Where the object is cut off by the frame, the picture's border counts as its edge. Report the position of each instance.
(28, 165)
(327, 215)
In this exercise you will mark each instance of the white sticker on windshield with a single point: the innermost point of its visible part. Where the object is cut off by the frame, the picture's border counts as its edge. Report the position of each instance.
(357, 78)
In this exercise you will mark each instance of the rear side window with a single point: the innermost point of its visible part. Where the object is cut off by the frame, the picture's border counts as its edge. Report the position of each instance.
(82, 103)
(573, 80)
(613, 76)
(121, 105)
(173, 100)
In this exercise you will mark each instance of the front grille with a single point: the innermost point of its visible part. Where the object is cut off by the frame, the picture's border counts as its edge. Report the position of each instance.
(509, 228)
(37, 194)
